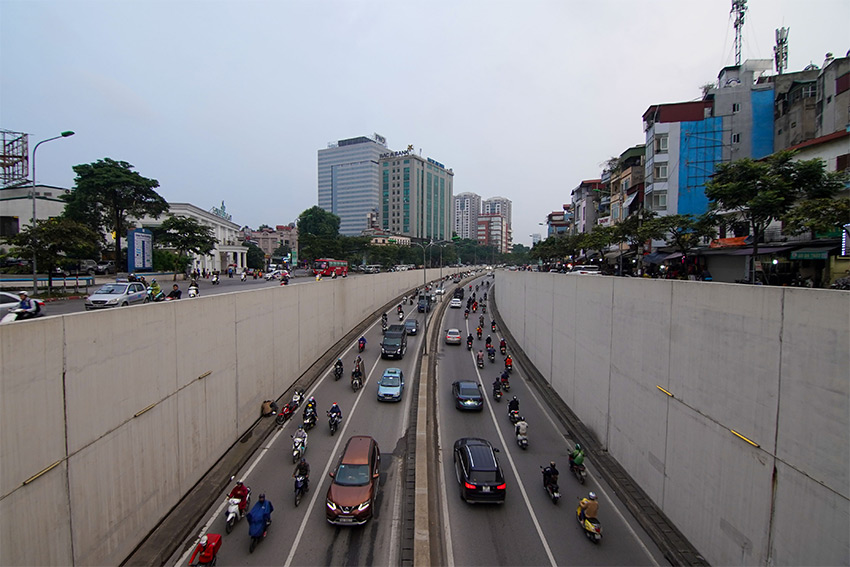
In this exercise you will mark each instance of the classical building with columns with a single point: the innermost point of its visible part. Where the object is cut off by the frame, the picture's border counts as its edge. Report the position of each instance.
(229, 250)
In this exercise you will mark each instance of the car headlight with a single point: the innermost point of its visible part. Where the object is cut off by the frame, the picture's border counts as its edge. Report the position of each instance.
(364, 506)
(331, 505)
(112, 301)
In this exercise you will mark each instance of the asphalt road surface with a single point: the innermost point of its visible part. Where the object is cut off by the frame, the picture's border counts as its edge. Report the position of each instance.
(528, 529)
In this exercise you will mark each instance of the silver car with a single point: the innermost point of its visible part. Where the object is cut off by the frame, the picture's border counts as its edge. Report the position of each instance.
(119, 294)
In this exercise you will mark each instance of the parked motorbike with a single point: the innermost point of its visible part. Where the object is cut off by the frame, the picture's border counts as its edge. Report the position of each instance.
(299, 447)
(284, 414)
(592, 527)
(297, 397)
(232, 513)
(300, 488)
(333, 421)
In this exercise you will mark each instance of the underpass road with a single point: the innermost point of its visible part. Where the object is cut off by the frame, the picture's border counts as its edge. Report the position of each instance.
(302, 536)
(528, 529)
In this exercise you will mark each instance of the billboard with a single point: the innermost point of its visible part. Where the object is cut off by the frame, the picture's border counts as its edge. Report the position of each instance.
(139, 250)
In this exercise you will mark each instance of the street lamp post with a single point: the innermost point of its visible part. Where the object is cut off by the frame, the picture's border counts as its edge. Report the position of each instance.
(32, 223)
(424, 284)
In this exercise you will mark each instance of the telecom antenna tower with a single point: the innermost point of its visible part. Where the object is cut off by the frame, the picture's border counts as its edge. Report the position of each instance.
(739, 7)
(780, 51)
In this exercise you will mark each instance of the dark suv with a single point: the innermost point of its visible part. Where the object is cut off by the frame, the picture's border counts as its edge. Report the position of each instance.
(351, 495)
(478, 471)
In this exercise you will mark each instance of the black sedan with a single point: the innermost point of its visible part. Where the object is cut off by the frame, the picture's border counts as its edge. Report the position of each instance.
(412, 326)
(478, 471)
(467, 394)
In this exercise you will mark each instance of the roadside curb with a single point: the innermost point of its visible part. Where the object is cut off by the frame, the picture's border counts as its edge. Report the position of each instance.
(676, 548)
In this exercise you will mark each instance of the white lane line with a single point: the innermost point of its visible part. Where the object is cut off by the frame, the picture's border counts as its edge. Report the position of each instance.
(332, 458)
(520, 484)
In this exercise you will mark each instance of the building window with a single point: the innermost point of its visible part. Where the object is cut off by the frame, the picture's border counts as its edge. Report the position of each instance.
(661, 172)
(659, 201)
(810, 90)
(661, 143)
(736, 107)
(736, 138)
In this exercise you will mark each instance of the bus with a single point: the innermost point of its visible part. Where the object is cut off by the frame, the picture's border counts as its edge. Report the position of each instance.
(329, 267)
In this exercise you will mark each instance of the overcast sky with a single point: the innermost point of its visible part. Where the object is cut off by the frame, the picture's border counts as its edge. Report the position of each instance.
(230, 101)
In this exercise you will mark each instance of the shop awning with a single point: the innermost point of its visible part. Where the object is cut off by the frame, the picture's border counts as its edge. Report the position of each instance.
(673, 256)
(821, 253)
(614, 254)
(762, 250)
(655, 258)
(629, 200)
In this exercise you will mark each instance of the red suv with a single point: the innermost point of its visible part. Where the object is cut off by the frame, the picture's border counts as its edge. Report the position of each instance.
(351, 495)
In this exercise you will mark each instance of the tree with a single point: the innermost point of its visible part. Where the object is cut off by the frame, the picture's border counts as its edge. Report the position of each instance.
(316, 221)
(107, 193)
(818, 215)
(54, 240)
(684, 232)
(281, 251)
(185, 235)
(760, 192)
(255, 258)
(266, 227)
(599, 239)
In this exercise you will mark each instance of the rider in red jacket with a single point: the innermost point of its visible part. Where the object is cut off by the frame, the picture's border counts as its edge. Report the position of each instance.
(240, 491)
(208, 548)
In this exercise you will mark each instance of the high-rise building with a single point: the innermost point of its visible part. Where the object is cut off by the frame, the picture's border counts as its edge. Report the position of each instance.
(416, 196)
(500, 206)
(493, 231)
(349, 180)
(467, 207)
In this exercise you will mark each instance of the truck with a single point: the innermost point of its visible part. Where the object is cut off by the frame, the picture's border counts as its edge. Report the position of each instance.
(394, 343)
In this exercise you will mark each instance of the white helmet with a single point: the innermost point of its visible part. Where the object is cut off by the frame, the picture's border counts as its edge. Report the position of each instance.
(592, 496)
(203, 541)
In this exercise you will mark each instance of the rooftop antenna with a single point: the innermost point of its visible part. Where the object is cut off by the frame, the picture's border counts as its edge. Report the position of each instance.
(780, 51)
(739, 7)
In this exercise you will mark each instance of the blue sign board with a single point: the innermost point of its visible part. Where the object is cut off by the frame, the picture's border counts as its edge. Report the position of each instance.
(139, 250)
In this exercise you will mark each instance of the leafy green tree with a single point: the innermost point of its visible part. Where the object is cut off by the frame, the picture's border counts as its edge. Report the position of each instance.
(684, 232)
(318, 234)
(265, 226)
(107, 193)
(255, 258)
(818, 215)
(54, 240)
(184, 234)
(281, 251)
(760, 192)
(599, 239)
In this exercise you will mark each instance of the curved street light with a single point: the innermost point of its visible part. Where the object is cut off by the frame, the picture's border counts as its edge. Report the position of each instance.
(64, 134)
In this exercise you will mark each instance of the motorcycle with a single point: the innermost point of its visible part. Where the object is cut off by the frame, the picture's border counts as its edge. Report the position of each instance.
(384, 327)
(361, 345)
(296, 399)
(592, 527)
(484, 309)
(479, 333)
(502, 350)
(309, 421)
(300, 488)
(257, 529)
(469, 344)
(193, 291)
(333, 422)
(337, 372)
(506, 386)
(514, 416)
(284, 414)
(18, 315)
(522, 441)
(481, 362)
(244, 276)
(492, 356)
(497, 394)
(466, 314)
(155, 297)
(401, 315)
(509, 366)
(233, 514)
(579, 471)
(493, 326)
(214, 280)
(552, 487)
(356, 383)
(299, 447)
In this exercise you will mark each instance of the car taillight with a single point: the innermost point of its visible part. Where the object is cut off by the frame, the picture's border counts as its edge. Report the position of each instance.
(502, 486)
(469, 486)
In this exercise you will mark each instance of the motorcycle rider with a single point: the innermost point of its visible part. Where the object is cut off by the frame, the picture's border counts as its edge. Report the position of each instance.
(493, 326)
(504, 377)
(503, 345)
(27, 307)
(469, 340)
(335, 411)
(361, 342)
(491, 352)
(550, 474)
(509, 362)
(479, 331)
(576, 457)
(156, 291)
(466, 313)
(300, 436)
(497, 385)
(513, 405)
(384, 317)
(303, 469)
(175, 292)
(521, 428)
(338, 366)
(488, 341)
(480, 358)
(481, 320)
(310, 407)
(208, 548)
(240, 491)
(399, 309)
(589, 507)
(260, 517)
(193, 284)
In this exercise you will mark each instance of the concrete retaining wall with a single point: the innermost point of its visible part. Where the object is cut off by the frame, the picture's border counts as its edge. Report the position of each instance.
(133, 405)
(770, 363)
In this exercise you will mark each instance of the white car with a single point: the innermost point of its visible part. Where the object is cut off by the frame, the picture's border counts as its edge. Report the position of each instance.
(456, 303)
(440, 291)
(585, 270)
(118, 294)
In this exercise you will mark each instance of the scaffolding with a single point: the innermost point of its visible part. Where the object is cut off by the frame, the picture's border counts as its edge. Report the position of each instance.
(15, 157)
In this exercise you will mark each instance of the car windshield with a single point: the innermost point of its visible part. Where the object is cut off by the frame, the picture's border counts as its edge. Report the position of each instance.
(352, 475)
(468, 391)
(392, 342)
(390, 381)
(112, 289)
(410, 324)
